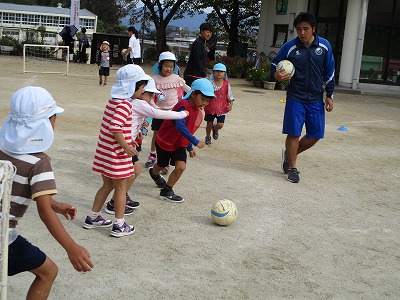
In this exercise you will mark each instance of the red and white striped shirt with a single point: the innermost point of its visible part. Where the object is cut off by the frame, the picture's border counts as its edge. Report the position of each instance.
(111, 159)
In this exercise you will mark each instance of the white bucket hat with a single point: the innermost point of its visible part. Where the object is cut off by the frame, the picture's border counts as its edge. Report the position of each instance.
(27, 128)
(151, 87)
(165, 56)
(125, 85)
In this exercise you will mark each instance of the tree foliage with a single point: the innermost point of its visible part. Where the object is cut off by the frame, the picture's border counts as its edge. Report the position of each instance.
(160, 13)
(238, 18)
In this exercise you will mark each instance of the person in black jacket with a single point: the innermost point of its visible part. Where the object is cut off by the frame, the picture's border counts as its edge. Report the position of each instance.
(196, 66)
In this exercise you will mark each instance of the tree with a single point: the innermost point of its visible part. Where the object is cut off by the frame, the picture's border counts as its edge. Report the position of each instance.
(161, 13)
(237, 17)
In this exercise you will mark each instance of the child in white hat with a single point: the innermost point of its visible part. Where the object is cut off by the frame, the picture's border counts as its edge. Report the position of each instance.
(104, 62)
(171, 87)
(115, 148)
(25, 135)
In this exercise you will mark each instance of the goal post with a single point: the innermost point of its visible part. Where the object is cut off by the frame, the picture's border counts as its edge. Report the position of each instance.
(6, 177)
(46, 59)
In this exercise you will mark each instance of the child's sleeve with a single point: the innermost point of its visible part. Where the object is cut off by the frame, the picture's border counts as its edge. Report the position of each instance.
(230, 94)
(181, 127)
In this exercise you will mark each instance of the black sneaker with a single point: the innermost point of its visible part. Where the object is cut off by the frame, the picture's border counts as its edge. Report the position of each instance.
(208, 140)
(169, 195)
(130, 203)
(293, 175)
(110, 209)
(158, 179)
(150, 161)
(215, 132)
(285, 162)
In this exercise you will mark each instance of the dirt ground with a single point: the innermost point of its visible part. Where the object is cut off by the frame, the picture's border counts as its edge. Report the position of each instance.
(334, 235)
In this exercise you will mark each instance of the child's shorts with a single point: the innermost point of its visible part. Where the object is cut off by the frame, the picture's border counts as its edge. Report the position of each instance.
(210, 118)
(23, 256)
(104, 71)
(156, 124)
(165, 158)
(298, 114)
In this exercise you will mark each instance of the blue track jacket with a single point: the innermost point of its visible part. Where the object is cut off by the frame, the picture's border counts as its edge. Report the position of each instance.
(315, 67)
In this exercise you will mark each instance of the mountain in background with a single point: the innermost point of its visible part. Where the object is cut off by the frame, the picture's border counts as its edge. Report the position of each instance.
(191, 23)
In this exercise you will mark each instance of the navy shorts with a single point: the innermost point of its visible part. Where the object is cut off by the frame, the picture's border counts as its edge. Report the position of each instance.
(23, 256)
(156, 124)
(165, 158)
(298, 114)
(210, 118)
(135, 158)
(104, 71)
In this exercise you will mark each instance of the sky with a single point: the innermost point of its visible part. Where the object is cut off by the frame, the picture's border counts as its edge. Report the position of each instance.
(192, 23)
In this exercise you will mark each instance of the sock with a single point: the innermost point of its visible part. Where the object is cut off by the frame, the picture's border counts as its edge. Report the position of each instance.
(167, 187)
(93, 215)
(119, 222)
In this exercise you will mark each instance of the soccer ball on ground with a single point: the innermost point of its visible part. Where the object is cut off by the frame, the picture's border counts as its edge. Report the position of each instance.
(223, 212)
(285, 66)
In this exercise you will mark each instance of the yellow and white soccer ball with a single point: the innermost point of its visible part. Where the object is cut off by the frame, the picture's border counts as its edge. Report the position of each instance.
(224, 212)
(286, 66)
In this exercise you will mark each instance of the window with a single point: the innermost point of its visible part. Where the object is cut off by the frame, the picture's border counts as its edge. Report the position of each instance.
(280, 35)
(87, 23)
(64, 21)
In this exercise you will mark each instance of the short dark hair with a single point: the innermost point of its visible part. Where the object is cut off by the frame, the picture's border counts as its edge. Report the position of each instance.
(132, 29)
(206, 26)
(83, 30)
(139, 83)
(305, 17)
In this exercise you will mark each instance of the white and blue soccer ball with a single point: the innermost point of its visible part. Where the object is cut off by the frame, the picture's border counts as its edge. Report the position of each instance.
(286, 66)
(224, 212)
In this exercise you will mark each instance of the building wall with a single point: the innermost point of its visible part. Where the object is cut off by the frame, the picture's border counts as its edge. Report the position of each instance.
(18, 22)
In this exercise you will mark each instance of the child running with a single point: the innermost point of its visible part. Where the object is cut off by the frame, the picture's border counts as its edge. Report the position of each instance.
(222, 104)
(25, 135)
(140, 109)
(170, 84)
(104, 62)
(115, 148)
(175, 137)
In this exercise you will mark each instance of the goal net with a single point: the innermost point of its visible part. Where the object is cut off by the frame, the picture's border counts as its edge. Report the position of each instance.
(6, 175)
(46, 59)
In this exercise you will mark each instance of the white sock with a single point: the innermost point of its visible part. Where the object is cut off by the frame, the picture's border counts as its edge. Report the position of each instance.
(93, 215)
(119, 222)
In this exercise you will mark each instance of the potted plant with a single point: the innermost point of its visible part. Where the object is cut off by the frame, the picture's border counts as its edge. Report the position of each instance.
(7, 43)
(257, 76)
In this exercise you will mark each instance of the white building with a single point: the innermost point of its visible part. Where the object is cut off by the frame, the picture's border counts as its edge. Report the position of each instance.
(21, 21)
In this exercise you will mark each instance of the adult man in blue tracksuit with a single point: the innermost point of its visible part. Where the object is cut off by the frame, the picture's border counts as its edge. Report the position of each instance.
(313, 60)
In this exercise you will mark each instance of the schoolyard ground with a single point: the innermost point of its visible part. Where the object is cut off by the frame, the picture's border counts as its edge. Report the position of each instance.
(334, 235)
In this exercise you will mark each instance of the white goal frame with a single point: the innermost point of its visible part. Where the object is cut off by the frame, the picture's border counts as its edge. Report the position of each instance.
(49, 52)
(6, 177)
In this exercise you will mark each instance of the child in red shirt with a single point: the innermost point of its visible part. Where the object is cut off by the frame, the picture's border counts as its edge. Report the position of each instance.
(222, 104)
(176, 136)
